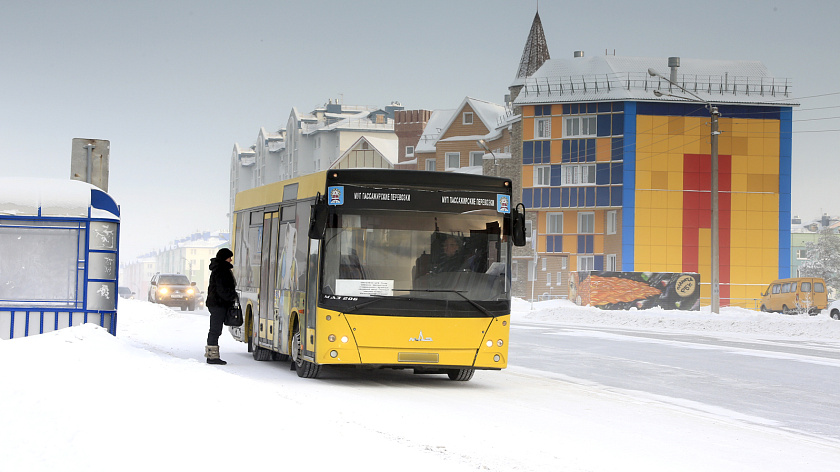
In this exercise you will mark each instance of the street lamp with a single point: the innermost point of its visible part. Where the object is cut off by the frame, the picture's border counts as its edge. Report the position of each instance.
(715, 114)
(483, 144)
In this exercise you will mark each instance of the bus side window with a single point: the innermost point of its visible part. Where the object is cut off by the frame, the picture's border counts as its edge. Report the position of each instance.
(777, 289)
(806, 286)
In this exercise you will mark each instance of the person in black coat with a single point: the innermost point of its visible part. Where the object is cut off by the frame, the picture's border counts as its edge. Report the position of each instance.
(221, 295)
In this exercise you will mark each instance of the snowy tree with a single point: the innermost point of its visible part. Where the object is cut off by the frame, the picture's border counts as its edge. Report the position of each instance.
(823, 259)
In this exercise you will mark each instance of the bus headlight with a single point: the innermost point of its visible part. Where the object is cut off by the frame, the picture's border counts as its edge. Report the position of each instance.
(500, 343)
(331, 338)
(333, 354)
(497, 358)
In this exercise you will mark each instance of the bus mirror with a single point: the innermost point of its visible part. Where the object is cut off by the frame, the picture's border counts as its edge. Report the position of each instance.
(519, 225)
(318, 218)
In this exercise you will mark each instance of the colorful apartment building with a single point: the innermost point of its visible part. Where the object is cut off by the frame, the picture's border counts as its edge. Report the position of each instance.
(615, 177)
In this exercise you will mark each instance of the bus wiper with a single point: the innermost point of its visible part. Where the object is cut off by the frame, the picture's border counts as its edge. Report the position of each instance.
(459, 292)
(376, 298)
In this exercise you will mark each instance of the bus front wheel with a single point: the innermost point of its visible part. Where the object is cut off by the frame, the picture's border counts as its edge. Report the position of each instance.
(304, 368)
(461, 375)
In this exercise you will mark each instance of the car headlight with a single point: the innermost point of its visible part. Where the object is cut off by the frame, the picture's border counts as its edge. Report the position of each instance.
(163, 290)
(190, 291)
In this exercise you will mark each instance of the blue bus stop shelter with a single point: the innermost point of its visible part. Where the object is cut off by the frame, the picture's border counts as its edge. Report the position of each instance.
(59, 256)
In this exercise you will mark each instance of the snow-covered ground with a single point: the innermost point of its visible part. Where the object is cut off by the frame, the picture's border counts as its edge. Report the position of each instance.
(82, 400)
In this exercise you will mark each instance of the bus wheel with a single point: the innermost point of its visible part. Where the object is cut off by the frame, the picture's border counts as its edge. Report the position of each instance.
(785, 310)
(260, 354)
(304, 368)
(764, 308)
(461, 375)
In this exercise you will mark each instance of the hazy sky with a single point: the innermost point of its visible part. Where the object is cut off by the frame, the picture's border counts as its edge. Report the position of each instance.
(174, 84)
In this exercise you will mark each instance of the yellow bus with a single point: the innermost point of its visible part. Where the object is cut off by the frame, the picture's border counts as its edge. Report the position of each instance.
(378, 268)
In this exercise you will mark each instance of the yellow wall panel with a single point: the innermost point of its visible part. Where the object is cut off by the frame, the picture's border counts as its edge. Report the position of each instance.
(739, 163)
(643, 197)
(643, 235)
(675, 218)
(643, 178)
(600, 221)
(770, 236)
(737, 238)
(739, 219)
(643, 124)
(570, 221)
(675, 180)
(674, 237)
(705, 146)
(659, 125)
(771, 165)
(739, 184)
(675, 143)
(659, 179)
(738, 256)
(769, 219)
(696, 127)
(657, 259)
(570, 244)
(725, 144)
(755, 183)
(658, 237)
(756, 147)
(527, 176)
(676, 125)
(528, 110)
(740, 145)
(675, 195)
(603, 149)
(598, 244)
(771, 146)
(642, 256)
(739, 200)
(528, 128)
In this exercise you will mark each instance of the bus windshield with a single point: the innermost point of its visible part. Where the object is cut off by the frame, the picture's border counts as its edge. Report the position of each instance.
(422, 260)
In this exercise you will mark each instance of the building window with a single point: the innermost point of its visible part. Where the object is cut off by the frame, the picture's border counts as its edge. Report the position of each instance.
(468, 118)
(542, 176)
(586, 223)
(453, 160)
(611, 264)
(578, 174)
(430, 164)
(544, 263)
(548, 278)
(554, 223)
(529, 228)
(564, 262)
(558, 278)
(801, 254)
(586, 263)
(580, 126)
(476, 158)
(409, 151)
(612, 221)
(542, 128)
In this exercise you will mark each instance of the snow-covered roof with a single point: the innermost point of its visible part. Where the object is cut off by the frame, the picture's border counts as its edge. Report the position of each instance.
(21, 196)
(434, 127)
(603, 78)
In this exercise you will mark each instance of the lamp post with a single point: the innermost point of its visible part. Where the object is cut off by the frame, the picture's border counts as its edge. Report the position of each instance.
(483, 144)
(715, 114)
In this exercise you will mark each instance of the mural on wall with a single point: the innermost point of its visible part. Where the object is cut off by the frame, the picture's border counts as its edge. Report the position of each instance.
(641, 290)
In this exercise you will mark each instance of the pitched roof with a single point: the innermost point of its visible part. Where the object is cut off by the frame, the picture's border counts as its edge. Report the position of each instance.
(535, 52)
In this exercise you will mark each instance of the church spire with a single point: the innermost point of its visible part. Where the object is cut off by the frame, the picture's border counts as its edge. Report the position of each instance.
(536, 50)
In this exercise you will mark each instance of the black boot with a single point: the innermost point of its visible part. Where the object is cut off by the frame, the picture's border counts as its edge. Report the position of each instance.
(212, 355)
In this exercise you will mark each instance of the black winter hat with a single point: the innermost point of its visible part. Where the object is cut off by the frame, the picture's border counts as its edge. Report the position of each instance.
(223, 254)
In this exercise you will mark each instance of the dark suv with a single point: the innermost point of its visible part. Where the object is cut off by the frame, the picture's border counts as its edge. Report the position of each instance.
(173, 290)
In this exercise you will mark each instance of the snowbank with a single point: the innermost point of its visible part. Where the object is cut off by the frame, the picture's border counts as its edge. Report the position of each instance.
(732, 321)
